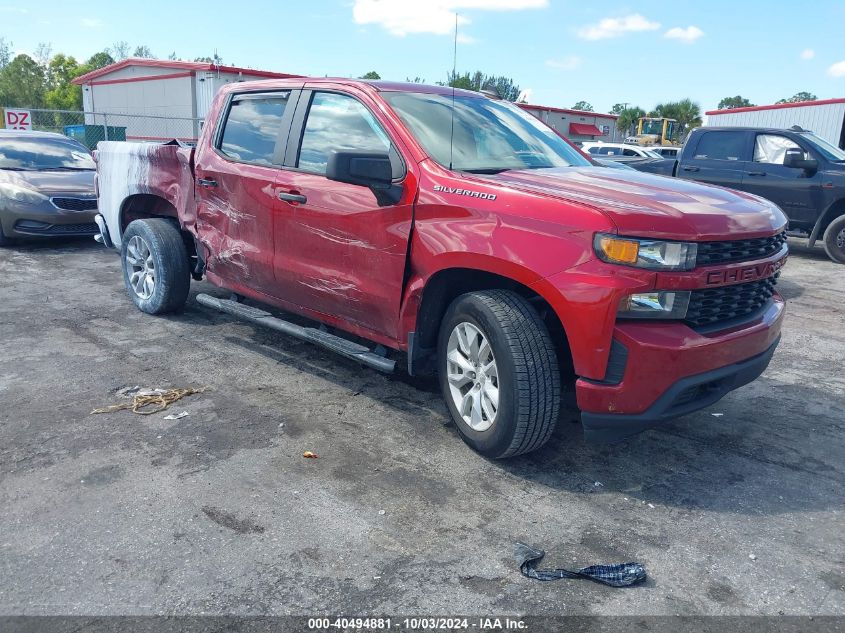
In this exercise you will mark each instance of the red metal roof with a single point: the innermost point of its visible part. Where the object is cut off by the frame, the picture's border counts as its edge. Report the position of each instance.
(179, 65)
(777, 106)
(529, 106)
(585, 129)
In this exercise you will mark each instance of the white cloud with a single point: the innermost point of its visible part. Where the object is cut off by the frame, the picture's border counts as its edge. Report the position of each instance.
(404, 17)
(525, 95)
(616, 27)
(566, 63)
(837, 69)
(91, 23)
(808, 53)
(688, 35)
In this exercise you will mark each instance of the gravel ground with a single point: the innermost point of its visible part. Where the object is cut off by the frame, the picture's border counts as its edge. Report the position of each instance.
(219, 513)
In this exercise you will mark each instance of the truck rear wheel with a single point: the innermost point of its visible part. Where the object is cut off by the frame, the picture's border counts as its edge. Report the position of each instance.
(834, 240)
(498, 373)
(155, 266)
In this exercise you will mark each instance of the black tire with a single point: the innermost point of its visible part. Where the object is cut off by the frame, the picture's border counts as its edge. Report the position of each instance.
(834, 240)
(528, 377)
(170, 265)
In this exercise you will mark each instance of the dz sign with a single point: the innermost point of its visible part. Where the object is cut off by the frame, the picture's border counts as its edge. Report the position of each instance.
(17, 120)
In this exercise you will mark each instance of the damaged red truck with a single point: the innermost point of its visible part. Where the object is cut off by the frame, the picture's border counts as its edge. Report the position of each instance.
(464, 233)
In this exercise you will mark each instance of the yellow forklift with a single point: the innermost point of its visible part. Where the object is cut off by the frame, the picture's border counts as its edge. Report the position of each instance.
(654, 131)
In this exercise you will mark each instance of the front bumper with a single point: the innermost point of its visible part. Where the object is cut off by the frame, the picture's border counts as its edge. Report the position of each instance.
(671, 370)
(25, 221)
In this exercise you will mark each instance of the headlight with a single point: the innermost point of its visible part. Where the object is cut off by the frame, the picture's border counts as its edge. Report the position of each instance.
(21, 194)
(650, 254)
(657, 304)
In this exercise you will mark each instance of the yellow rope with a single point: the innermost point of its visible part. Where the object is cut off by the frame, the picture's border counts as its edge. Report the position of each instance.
(160, 400)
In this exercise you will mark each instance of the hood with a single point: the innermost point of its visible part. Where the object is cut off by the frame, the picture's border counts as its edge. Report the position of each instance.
(645, 205)
(52, 182)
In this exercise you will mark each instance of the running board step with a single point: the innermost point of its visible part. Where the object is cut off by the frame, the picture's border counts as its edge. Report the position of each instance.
(328, 341)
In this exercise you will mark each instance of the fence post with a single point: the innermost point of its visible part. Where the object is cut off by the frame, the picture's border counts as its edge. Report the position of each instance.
(105, 127)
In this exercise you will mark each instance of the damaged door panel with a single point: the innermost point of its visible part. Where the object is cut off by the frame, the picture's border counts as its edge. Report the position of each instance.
(235, 184)
(339, 250)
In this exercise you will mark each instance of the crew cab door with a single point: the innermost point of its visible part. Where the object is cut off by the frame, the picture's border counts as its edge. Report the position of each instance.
(794, 190)
(235, 188)
(720, 157)
(339, 249)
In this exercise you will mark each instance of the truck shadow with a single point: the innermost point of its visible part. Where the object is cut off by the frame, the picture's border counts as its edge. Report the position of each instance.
(762, 455)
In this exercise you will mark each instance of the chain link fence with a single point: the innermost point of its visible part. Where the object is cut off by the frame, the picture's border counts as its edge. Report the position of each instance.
(89, 128)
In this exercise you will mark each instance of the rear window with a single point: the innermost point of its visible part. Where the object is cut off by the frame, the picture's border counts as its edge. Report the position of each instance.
(721, 146)
(251, 130)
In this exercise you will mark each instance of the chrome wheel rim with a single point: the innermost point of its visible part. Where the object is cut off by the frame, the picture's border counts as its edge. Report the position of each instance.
(473, 376)
(840, 240)
(140, 267)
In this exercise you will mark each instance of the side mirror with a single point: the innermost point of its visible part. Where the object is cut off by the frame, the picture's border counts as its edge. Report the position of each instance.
(797, 159)
(360, 168)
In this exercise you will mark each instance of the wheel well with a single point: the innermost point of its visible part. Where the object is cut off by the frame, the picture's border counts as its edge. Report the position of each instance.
(446, 285)
(833, 211)
(146, 205)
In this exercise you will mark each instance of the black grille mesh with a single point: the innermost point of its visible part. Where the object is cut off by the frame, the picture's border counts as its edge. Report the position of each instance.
(76, 204)
(714, 305)
(710, 253)
(88, 228)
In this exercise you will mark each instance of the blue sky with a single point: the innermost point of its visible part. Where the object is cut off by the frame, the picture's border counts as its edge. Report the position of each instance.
(562, 51)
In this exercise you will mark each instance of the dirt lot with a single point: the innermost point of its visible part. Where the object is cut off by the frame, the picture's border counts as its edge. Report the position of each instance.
(218, 512)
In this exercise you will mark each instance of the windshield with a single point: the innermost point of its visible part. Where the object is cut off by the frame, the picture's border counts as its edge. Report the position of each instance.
(43, 153)
(489, 136)
(651, 153)
(653, 127)
(828, 150)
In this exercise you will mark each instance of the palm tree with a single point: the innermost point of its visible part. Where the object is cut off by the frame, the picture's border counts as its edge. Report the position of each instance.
(686, 112)
(628, 117)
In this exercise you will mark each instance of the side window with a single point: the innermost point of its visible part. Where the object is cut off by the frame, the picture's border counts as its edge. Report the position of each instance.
(252, 127)
(338, 122)
(629, 152)
(607, 151)
(721, 146)
(771, 148)
(593, 150)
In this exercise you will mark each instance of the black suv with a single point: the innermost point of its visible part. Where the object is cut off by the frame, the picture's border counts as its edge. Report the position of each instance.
(800, 172)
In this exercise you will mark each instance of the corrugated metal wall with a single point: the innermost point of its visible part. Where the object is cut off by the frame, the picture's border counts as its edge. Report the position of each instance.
(825, 120)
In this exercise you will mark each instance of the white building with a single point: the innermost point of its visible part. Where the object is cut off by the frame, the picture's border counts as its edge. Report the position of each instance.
(157, 99)
(577, 125)
(825, 118)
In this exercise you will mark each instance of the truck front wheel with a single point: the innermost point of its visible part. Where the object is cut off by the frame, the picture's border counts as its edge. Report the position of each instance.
(498, 373)
(834, 240)
(155, 266)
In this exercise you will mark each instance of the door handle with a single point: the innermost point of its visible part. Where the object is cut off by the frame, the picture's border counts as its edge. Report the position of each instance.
(292, 197)
(756, 173)
(206, 182)
(690, 168)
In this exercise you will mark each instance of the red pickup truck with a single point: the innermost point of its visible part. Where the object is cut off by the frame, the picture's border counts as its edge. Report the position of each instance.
(464, 233)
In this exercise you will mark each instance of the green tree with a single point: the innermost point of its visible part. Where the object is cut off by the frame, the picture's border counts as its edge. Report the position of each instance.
(371, 75)
(119, 50)
(143, 51)
(415, 80)
(22, 83)
(216, 59)
(97, 61)
(798, 97)
(583, 106)
(729, 103)
(686, 112)
(5, 52)
(618, 108)
(60, 93)
(628, 118)
(477, 81)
